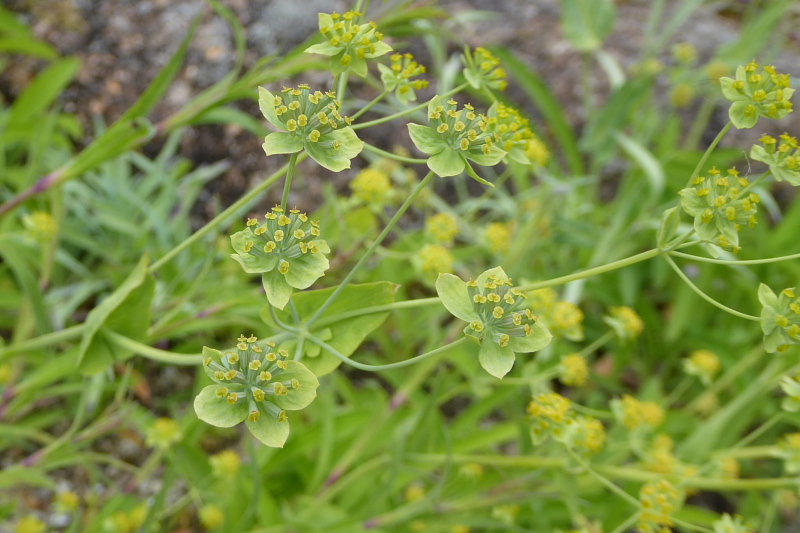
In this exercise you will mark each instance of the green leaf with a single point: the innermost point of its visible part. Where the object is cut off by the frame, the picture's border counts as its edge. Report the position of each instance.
(766, 296)
(587, 23)
(269, 431)
(297, 398)
(333, 159)
(216, 410)
(326, 49)
(472, 78)
(496, 272)
(381, 48)
(306, 269)
(739, 119)
(455, 297)
(644, 158)
(277, 289)
(446, 163)
(670, 220)
(14, 476)
(346, 334)
(125, 311)
(351, 144)
(388, 77)
(282, 143)
(252, 264)
(43, 91)
(425, 139)
(494, 156)
(538, 340)
(495, 359)
(266, 103)
(474, 175)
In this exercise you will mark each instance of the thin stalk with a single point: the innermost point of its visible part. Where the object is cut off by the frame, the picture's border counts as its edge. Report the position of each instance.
(42, 341)
(287, 186)
(760, 430)
(692, 527)
(396, 157)
(607, 482)
(222, 217)
(700, 123)
(341, 87)
(627, 524)
(162, 356)
(708, 151)
(734, 263)
(408, 111)
(678, 392)
(597, 344)
(705, 296)
(368, 253)
(409, 304)
(369, 105)
(377, 368)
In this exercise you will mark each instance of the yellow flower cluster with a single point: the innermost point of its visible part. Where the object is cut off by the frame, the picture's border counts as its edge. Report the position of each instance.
(435, 259)
(551, 416)
(634, 413)
(660, 500)
(702, 363)
(211, 516)
(498, 237)
(562, 318)
(573, 370)
(443, 227)
(225, 464)
(548, 412)
(631, 325)
(537, 152)
(126, 521)
(663, 461)
(163, 433)
(372, 186)
(41, 225)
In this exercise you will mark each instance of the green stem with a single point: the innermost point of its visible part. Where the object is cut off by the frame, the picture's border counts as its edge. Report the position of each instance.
(222, 217)
(708, 151)
(743, 262)
(287, 186)
(597, 344)
(341, 87)
(162, 356)
(350, 275)
(627, 524)
(369, 105)
(753, 435)
(408, 304)
(42, 341)
(605, 481)
(692, 527)
(678, 391)
(700, 123)
(376, 368)
(705, 296)
(407, 111)
(396, 157)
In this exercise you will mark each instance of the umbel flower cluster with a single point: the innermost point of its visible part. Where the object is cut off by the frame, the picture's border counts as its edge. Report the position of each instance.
(511, 131)
(455, 137)
(286, 250)
(780, 318)
(720, 205)
(783, 158)
(498, 319)
(311, 121)
(659, 500)
(397, 78)
(483, 69)
(757, 93)
(551, 416)
(257, 385)
(349, 43)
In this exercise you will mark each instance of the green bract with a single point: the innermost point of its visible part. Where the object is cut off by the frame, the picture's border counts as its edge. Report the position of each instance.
(497, 320)
(309, 121)
(780, 318)
(256, 385)
(792, 389)
(783, 159)
(511, 131)
(719, 208)
(285, 249)
(398, 77)
(349, 44)
(730, 524)
(483, 69)
(454, 138)
(765, 93)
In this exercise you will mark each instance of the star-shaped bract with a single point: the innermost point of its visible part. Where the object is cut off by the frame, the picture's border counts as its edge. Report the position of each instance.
(349, 44)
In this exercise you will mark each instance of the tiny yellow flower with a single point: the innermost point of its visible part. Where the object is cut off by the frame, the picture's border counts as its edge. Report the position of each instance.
(42, 226)
(443, 227)
(67, 501)
(30, 524)
(626, 322)
(659, 501)
(573, 370)
(211, 516)
(414, 492)
(163, 433)
(372, 186)
(225, 464)
(434, 259)
(498, 237)
(537, 152)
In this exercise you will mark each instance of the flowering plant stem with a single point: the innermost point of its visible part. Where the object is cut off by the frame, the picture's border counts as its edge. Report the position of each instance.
(367, 107)
(396, 157)
(287, 186)
(408, 111)
(711, 147)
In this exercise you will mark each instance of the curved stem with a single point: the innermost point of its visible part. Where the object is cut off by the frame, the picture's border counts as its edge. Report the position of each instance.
(280, 323)
(743, 262)
(705, 296)
(408, 304)
(287, 186)
(396, 157)
(613, 487)
(708, 151)
(627, 524)
(368, 253)
(162, 356)
(597, 344)
(369, 105)
(42, 341)
(408, 111)
(222, 217)
(376, 368)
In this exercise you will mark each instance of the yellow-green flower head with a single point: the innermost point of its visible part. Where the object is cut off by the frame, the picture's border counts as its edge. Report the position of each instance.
(791, 387)
(536, 152)
(586, 435)
(573, 370)
(684, 53)
(443, 227)
(471, 471)
(397, 78)
(626, 322)
(256, 384)
(211, 516)
(550, 414)
(5, 373)
(498, 237)
(454, 137)
(309, 120)
(286, 250)
(511, 131)
(542, 301)
(790, 452)
(757, 92)
(460, 528)
(717, 69)
(702, 363)
(661, 459)
(42, 226)
(349, 44)
(720, 208)
(434, 259)
(682, 95)
(225, 464)
(506, 513)
(634, 414)
(67, 501)
(566, 320)
(497, 317)
(782, 157)
(126, 521)
(163, 433)
(372, 186)
(483, 70)
(732, 524)
(30, 524)
(780, 318)
(414, 492)
(659, 501)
